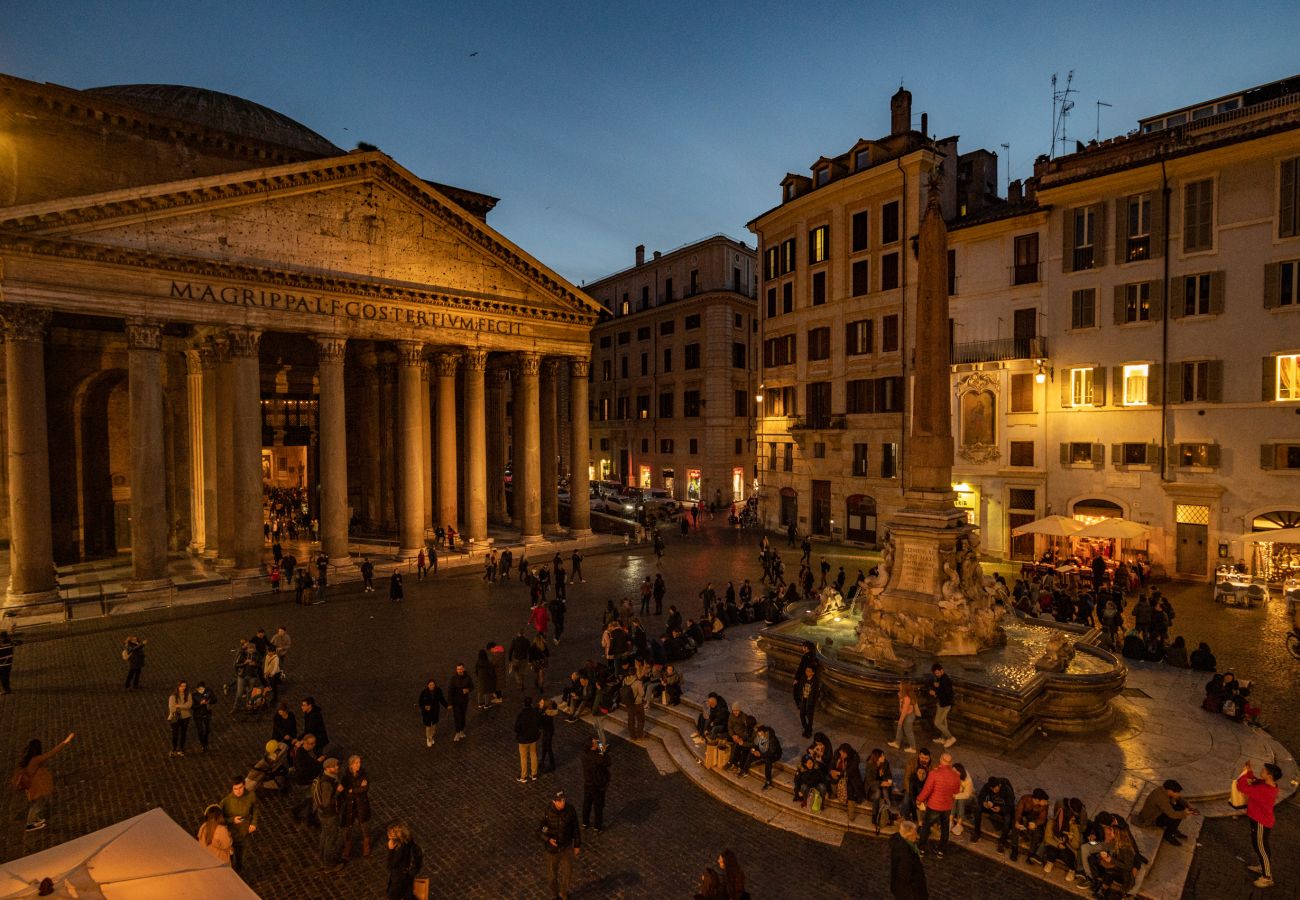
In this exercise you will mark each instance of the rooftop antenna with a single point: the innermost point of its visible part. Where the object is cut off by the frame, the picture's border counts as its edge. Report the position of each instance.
(1061, 106)
(1100, 104)
(1007, 147)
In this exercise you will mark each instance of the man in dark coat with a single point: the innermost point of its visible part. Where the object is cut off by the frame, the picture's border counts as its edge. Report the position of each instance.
(906, 873)
(313, 722)
(528, 731)
(595, 779)
(459, 688)
(563, 840)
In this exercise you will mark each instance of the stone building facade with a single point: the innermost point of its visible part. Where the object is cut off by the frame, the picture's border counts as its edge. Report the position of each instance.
(188, 279)
(673, 372)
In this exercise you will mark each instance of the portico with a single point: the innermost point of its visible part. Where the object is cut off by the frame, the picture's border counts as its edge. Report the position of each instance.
(394, 324)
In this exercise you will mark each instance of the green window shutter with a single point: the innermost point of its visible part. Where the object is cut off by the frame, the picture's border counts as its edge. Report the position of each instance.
(1217, 280)
(1267, 456)
(1154, 371)
(1119, 303)
(1153, 454)
(1116, 455)
(1117, 385)
(1175, 379)
(1157, 299)
(1099, 386)
(1213, 455)
(1099, 235)
(1190, 194)
(1065, 455)
(1121, 229)
(1272, 285)
(1214, 381)
(1157, 224)
(1269, 381)
(1177, 291)
(1288, 217)
(1098, 455)
(1065, 389)
(1067, 241)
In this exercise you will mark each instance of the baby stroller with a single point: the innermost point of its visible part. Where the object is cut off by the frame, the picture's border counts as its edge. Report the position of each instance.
(253, 706)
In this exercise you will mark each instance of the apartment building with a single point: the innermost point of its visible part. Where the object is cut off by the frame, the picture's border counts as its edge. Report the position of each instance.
(672, 372)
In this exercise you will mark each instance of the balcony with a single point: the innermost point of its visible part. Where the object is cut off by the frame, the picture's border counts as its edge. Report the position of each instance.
(818, 422)
(1025, 273)
(1000, 349)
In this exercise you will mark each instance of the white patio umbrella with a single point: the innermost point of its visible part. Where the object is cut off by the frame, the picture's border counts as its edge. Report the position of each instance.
(1121, 529)
(1272, 536)
(1052, 526)
(147, 857)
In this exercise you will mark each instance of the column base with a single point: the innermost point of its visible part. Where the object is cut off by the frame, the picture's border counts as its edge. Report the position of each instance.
(552, 528)
(531, 538)
(146, 585)
(223, 562)
(31, 600)
(481, 543)
(580, 532)
(408, 553)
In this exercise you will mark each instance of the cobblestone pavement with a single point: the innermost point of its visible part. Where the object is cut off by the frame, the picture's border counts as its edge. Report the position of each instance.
(365, 660)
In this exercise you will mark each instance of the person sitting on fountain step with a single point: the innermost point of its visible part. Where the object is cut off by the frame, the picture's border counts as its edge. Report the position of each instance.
(765, 749)
(740, 731)
(880, 788)
(1134, 646)
(915, 774)
(1030, 825)
(1203, 660)
(813, 773)
(996, 802)
(1064, 836)
(1165, 808)
(711, 723)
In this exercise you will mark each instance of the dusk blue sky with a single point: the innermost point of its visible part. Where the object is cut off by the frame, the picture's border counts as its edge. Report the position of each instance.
(605, 125)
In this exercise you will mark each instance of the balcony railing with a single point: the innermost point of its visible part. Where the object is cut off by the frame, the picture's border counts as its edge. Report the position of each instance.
(1024, 273)
(1001, 349)
(818, 422)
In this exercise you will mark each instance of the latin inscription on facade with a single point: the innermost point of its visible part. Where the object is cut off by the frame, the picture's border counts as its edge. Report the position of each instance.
(360, 310)
(918, 569)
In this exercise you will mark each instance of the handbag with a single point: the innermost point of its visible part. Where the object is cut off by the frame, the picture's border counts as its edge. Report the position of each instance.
(817, 801)
(1236, 799)
(420, 890)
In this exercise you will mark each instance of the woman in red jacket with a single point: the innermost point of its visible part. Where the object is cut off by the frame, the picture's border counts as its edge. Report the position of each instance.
(1261, 795)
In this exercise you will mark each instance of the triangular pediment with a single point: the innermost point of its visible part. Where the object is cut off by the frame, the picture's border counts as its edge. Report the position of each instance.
(357, 218)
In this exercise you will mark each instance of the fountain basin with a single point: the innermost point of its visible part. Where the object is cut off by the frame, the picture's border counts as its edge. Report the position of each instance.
(1000, 698)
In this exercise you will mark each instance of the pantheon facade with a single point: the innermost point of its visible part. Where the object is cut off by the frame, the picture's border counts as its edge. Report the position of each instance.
(187, 278)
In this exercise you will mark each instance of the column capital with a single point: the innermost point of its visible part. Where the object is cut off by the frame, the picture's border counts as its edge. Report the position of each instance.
(527, 362)
(445, 362)
(551, 366)
(24, 323)
(207, 354)
(410, 353)
(579, 366)
(243, 342)
(142, 334)
(476, 360)
(330, 349)
(219, 347)
(498, 378)
(194, 361)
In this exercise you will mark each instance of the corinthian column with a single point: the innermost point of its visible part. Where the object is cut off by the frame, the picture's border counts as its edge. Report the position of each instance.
(548, 419)
(579, 454)
(476, 493)
(208, 426)
(445, 367)
(194, 417)
(528, 449)
(148, 470)
(31, 545)
(333, 425)
(497, 381)
(410, 360)
(225, 451)
(246, 438)
(370, 443)
(426, 451)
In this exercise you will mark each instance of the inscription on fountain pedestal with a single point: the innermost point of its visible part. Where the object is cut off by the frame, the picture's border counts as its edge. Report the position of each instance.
(918, 569)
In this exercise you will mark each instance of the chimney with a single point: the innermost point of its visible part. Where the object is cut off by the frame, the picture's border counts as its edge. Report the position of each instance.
(900, 112)
(1014, 193)
(658, 254)
(925, 124)
(640, 254)
(1031, 190)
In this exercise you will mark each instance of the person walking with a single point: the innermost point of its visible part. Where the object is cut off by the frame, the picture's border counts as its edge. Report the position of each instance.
(906, 873)
(539, 656)
(180, 708)
(806, 690)
(576, 562)
(6, 661)
(240, 809)
(545, 750)
(325, 791)
(658, 592)
(322, 577)
(486, 675)
(937, 796)
(395, 591)
(354, 807)
(460, 685)
(906, 717)
(404, 863)
(275, 578)
(647, 589)
(133, 656)
(271, 674)
(634, 698)
(214, 836)
(528, 731)
(36, 781)
(595, 781)
(421, 566)
(563, 840)
(431, 703)
(201, 711)
(313, 722)
(517, 658)
(282, 642)
(367, 575)
(1260, 792)
(942, 692)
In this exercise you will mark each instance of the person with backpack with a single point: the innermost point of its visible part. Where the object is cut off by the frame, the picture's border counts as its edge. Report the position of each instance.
(36, 781)
(404, 863)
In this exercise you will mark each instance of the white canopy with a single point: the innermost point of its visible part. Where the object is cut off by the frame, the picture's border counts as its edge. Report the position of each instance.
(1273, 536)
(1056, 526)
(1122, 529)
(147, 857)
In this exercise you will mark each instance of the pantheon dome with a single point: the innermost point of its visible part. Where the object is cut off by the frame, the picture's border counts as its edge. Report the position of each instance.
(214, 109)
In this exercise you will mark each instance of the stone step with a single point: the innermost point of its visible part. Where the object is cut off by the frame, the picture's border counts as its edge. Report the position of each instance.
(1166, 875)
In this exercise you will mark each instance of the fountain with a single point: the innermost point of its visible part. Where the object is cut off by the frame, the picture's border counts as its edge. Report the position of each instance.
(929, 597)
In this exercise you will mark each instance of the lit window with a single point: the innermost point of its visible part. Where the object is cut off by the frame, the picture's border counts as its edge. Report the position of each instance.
(1135, 385)
(819, 244)
(1137, 302)
(1288, 377)
(1081, 387)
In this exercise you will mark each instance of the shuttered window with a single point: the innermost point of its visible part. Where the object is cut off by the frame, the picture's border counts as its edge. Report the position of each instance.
(1198, 216)
(1288, 207)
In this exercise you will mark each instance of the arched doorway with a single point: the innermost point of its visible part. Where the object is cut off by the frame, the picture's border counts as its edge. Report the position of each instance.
(789, 507)
(1274, 561)
(860, 519)
(102, 411)
(1094, 509)
(1277, 518)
